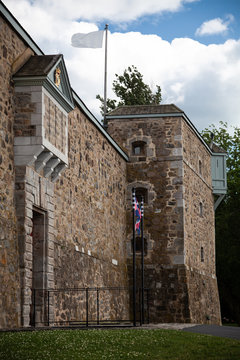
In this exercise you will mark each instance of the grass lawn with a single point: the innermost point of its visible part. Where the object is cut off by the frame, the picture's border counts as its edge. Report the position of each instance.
(115, 344)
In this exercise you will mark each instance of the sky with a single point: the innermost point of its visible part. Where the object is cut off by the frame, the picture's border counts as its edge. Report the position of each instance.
(191, 48)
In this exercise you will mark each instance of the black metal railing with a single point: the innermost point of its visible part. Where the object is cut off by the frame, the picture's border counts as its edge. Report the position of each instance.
(97, 306)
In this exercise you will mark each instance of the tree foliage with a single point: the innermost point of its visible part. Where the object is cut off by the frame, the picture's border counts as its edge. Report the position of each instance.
(131, 90)
(228, 223)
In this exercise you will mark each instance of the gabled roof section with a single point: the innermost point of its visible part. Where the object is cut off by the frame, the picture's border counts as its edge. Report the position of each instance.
(145, 110)
(50, 72)
(38, 65)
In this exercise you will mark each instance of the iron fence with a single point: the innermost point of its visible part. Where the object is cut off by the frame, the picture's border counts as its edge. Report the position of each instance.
(85, 307)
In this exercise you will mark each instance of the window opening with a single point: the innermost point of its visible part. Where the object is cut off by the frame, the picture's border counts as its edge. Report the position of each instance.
(138, 240)
(139, 148)
(141, 193)
(200, 167)
(39, 254)
(202, 254)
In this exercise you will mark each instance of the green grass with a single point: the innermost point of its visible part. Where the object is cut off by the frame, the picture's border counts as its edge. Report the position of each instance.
(115, 344)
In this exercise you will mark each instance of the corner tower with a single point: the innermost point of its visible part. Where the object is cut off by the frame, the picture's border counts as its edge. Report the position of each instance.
(170, 165)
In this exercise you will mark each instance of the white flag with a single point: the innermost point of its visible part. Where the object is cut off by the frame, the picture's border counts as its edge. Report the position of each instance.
(91, 40)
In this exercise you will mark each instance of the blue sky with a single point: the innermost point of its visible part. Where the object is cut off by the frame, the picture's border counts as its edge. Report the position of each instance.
(183, 23)
(191, 48)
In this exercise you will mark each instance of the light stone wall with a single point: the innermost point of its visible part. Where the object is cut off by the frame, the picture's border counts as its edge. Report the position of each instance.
(90, 204)
(85, 209)
(90, 222)
(199, 226)
(38, 120)
(33, 192)
(199, 230)
(11, 47)
(85, 226)
(55, 123)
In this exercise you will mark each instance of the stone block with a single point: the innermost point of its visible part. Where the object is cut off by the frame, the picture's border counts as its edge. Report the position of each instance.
(36, 96)
(19, 140)
(178, 259)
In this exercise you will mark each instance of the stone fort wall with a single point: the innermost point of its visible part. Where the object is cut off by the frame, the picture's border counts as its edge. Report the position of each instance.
(10, 48)
(180, 241)
(81, 217)
(161, 173)
(199, 229)
(90, 221)
(77, 232)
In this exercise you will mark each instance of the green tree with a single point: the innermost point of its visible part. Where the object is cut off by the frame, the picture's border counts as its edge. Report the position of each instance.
(131, 90)
(228, 223)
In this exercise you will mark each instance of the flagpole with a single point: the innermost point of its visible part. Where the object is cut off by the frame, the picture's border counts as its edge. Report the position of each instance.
(142, 214)
(134, 259)
(105, 81)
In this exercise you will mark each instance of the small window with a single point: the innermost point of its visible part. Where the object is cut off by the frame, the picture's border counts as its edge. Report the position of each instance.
(138, 240)
(141, 193)
(139, 148)
(200, 209)
(200, 167)
(202, 254)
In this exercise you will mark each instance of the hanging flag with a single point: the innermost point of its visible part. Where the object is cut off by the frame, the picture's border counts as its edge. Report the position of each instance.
(137, 217)
(91, 40)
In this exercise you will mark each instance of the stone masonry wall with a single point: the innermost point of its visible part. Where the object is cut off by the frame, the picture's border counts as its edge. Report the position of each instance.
(33, 192)
(90, 212)
(179, 217)
(10, 49)
(84, 211)
(161, 173)
(55, 124)
(83, 228)
(199, 204)
(24, 108)
(199, 230)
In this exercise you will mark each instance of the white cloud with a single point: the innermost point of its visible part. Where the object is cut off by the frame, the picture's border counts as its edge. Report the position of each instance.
(95, 10)
(214, 26)
(200, 79)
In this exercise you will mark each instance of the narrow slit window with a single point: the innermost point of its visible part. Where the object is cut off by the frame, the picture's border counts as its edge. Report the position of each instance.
(200, 209)
(202, 254)
(200, 167)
